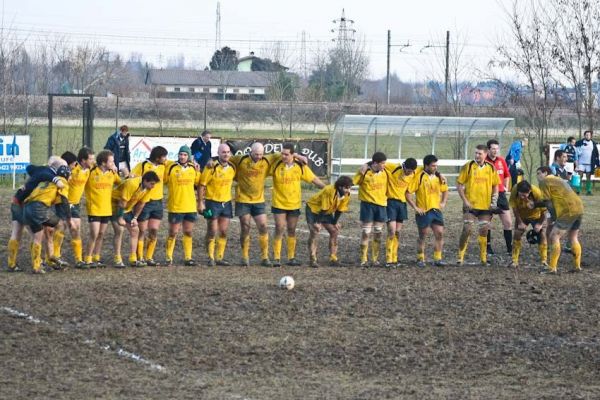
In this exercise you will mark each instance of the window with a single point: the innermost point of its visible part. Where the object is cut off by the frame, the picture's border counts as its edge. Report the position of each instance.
(177, 89)
(220, 90)
(251, 91)
(205, 90)
(191, 89)
(236, 90)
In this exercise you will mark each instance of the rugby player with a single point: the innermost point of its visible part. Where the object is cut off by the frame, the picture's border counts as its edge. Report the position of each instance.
(501, 166)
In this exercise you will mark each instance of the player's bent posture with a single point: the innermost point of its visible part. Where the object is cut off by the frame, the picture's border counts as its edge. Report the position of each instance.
(251, 173)
(80, 166)
(431, 192)
(38, 216)
(181, 179)
(149, 220)
(526, 202)
(98, 191)
(501, 166)
(400, 177)
(372, 193)
(477, 186)
(37, 174)
(566, 210)
(129, 200)
(288, 174)
(323, 210)
(214, 202)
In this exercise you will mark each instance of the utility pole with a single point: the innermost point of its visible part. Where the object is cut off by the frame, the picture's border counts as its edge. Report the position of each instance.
(389, 48)
(447, 63)
(218, 27)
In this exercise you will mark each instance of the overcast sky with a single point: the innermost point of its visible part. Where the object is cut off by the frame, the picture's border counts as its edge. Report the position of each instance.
(163, 30)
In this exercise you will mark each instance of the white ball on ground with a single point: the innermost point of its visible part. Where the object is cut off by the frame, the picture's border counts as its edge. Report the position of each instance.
(287, 282)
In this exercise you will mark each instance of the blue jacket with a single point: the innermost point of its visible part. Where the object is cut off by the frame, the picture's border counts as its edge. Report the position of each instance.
(201, 151)
(112, 144)
(514, 153)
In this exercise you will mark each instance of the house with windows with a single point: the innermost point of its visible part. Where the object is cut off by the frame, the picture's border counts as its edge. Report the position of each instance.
(231, 85)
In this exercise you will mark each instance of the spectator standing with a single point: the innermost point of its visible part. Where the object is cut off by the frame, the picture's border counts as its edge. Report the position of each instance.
(572, 156)
(118, 143)
(588, 159)
(513, 158)
(201, 149)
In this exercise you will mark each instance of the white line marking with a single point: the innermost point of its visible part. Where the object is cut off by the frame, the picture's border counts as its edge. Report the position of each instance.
(118, 351)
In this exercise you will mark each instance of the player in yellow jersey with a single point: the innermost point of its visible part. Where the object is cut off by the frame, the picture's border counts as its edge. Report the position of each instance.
(80, 166)
(372, 192)
(181, 178)
(400, 177)
(149, 220)
(323, 210)
(98, 191)
(477, 186)
(431, 192)
(288, 174)
(129, 200)
(39, 218)
(566, 210)
(525, 201)
(251, 172)
(214, 202)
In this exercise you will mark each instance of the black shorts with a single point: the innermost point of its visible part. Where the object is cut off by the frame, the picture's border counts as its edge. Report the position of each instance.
(534, 222)
(37, 215)
(253, 209)
(16, 213)
(396, 210)
(292, 213)
(431, 217)
(152, 210)
(219, 209)
(312, 218)
(75, 211)
(370, 212)
(503, 201)
(477, 213)
(178, 218)
(102, 220)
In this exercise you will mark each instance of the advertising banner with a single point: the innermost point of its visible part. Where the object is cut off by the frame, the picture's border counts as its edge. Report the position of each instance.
(14, 152)
(140, 146)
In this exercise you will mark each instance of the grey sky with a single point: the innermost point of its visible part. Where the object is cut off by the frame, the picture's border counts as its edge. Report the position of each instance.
(162, 30)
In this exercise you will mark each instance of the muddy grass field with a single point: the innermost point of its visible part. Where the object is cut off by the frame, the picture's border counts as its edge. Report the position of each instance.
(342, 333)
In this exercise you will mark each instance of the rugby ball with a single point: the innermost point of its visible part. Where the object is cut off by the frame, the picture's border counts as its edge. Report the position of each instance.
(287, 282)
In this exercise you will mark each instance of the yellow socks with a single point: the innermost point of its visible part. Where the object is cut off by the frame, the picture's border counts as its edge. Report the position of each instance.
(150, 247)
(210, 248)
(36, 256)
(437, 256)
(263, 241)
(187, 247)
(554, 256)
(13, 250)
(246, 248)
(132, 258)
(420, 256)
(118, 259)
(291, 247)
(140, 249)
(364, 253)
(170, 247)
(277, 242)
(576, 249)
(88, 259)
(389, 249)
(516, 251)
(543, 251)
(462, 249)
(77, 246)
(482, 248)
(395, 247)
(57, 240)
(375, 248)
(221, 244)
(333, 257)
(96, 257)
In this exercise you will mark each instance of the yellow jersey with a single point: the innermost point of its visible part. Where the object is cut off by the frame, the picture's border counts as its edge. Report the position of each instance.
(180, 181)
(372, 186)
(287, 184)
(157, 192)
(428, 189)
(132, 192)
(565, 202)
(98, 191)
(218, 180)
(521, 207)
(398, 182)
(48, 193)
(77, 180)
(478, 182)
(250, 177)
(328, 201)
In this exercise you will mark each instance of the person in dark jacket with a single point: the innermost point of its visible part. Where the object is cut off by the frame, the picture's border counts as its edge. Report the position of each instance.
(118, 143)
(588, 159)
(201, 149)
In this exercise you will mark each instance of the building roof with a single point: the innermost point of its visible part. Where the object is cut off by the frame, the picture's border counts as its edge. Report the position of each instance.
(211, 78)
